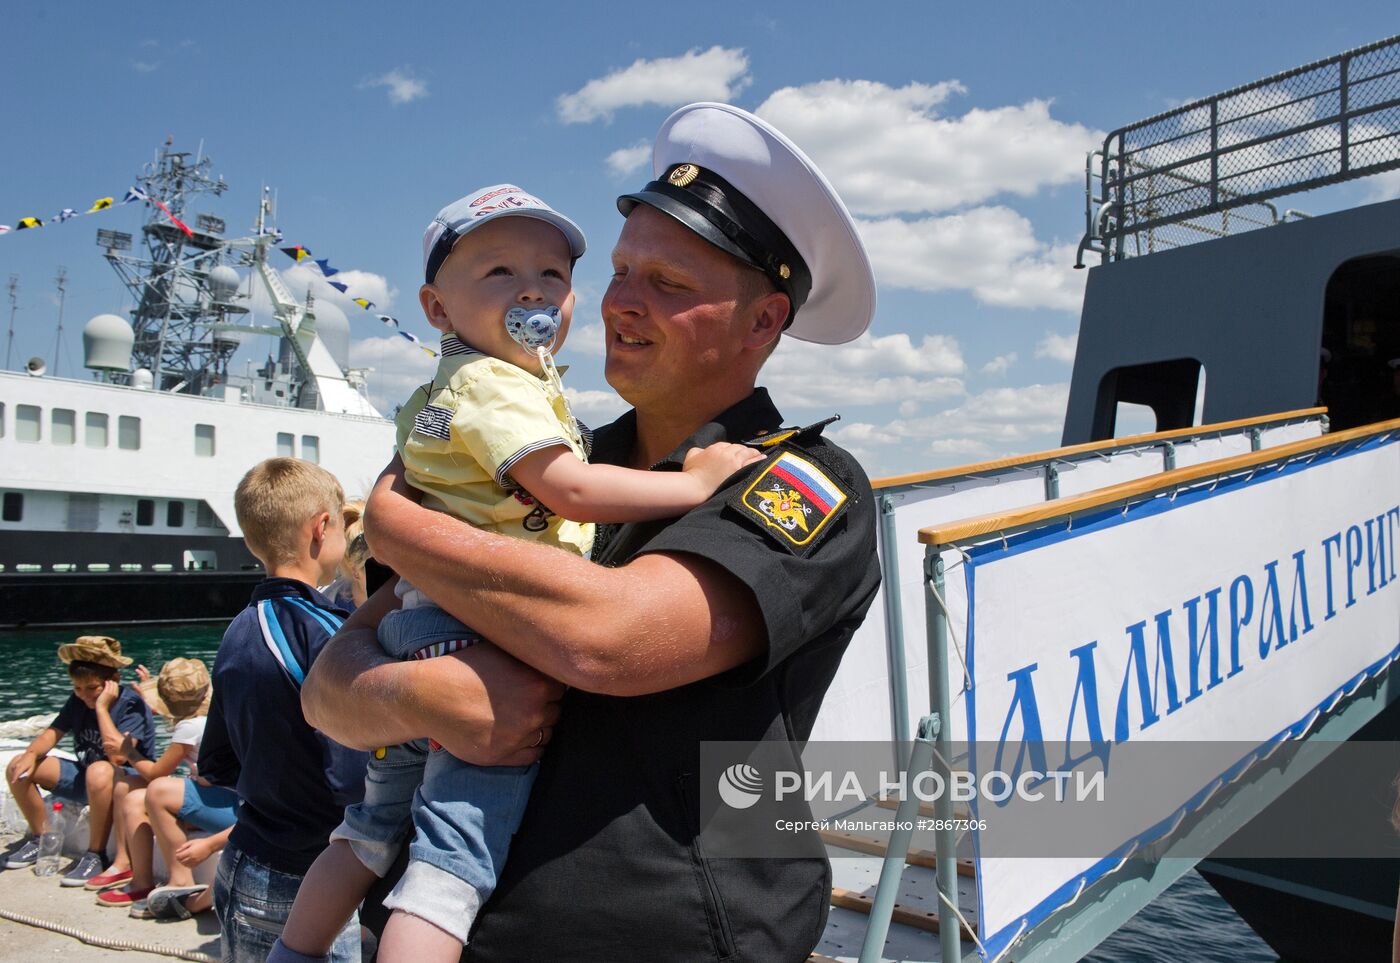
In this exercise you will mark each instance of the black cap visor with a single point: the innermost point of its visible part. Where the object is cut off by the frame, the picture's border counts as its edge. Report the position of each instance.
(707, 204)
(680, 207)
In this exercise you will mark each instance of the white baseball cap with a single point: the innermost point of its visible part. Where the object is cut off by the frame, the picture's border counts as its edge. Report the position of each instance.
(466, 214)
(744, 187)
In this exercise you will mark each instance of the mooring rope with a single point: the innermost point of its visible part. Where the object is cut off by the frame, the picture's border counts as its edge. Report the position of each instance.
(25, 919)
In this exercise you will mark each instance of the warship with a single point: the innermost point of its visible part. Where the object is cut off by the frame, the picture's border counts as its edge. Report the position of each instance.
(116, 493)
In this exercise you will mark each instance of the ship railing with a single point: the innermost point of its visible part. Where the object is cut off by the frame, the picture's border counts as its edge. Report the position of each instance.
(993, 537)
(1170, 179)
(1070, 470)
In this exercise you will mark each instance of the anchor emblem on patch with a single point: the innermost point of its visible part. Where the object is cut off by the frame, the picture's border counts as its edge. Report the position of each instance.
(794, 499)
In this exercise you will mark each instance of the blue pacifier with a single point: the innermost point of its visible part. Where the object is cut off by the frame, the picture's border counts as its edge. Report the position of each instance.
(533, 328)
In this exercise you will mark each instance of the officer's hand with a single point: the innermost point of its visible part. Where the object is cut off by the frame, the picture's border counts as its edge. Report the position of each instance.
(712, 466)
(486, 707)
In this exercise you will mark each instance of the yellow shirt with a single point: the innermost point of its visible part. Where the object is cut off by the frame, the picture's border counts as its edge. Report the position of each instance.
(460, 434)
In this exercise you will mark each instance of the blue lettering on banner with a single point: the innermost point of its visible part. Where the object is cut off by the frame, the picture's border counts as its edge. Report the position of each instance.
(1195, 640)
(1335, 539)
(1271, 629)
(1353, 563)
(1149, 689)
(1297, 596)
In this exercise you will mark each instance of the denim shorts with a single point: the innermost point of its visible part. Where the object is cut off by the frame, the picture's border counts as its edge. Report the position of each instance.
(463, 816)
(252, 902)
(211, 808)
(72, 781)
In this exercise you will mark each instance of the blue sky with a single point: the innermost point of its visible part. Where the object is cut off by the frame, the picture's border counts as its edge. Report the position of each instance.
(957, 133)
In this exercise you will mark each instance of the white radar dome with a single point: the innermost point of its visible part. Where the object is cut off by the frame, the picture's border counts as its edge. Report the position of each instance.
(223, 281)
(107, 342)
(143, 379)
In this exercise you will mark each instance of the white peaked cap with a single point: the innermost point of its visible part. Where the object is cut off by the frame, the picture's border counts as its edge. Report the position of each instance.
(777, 178)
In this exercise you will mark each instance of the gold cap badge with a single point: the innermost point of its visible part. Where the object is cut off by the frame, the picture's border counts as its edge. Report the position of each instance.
(684, 175)
(784, 271)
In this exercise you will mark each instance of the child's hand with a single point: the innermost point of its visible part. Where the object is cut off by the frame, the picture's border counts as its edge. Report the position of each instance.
(116, 746)
(142, 673)
(711, 466)
(109, 694)
(195, 851)
(20, 766)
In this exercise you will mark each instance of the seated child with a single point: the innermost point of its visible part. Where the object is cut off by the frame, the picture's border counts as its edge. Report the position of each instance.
(93, 661)
(490, 440)
(348, 591)
(293, 782)
(181, 694)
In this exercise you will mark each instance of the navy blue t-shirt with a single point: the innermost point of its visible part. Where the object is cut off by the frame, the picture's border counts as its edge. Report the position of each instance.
(294, 782)
(130, 714)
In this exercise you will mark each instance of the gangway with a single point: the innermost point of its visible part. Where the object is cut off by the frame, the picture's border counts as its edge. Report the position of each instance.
(893, 897)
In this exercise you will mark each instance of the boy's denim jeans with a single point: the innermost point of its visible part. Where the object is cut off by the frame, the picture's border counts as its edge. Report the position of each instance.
(463, 816)
(253, 901)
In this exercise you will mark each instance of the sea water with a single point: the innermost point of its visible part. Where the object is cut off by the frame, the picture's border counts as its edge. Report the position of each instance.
(1187, 922)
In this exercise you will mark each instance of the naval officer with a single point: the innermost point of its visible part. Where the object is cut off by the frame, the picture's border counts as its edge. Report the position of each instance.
(725, 624)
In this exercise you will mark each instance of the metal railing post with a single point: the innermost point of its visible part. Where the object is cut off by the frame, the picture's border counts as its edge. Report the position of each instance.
(1052, 483)
(877, 928)
(945, 859)
(894, 625)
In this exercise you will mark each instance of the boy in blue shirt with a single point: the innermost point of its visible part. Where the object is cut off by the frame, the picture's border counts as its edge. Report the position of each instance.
(293, 781)
(92, 661)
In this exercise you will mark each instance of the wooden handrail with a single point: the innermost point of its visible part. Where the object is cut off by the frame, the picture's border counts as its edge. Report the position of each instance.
(951, 532)
(998, 464)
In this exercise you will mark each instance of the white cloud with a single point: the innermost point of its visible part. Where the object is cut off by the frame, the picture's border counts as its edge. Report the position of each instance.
(589, 340)
(594, 407)
(887, 150)
(145, 66)
(871, 370)
(403, 87)
(1057, 347)
(996, 422)
(990, 251)
(715, 74)
(628, 160)
(303, 277)
(908, 409)
(1383, 187)
(399, 367)
(1000, 364)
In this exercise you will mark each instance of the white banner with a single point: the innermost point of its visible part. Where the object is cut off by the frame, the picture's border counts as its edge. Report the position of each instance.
(1233, 612)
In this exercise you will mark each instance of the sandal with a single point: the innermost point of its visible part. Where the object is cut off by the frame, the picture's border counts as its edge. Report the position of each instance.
(168, 902)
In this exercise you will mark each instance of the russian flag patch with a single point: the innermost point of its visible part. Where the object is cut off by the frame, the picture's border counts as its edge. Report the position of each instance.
(795, 500)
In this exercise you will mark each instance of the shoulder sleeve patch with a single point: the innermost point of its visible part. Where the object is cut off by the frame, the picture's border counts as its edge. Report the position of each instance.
(794, 500)
(434, 421)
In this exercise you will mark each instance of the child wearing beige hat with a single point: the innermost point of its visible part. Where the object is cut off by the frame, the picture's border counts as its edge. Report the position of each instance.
(94, 663)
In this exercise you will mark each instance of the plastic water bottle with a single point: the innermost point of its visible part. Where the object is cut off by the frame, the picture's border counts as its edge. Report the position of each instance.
(51, 842)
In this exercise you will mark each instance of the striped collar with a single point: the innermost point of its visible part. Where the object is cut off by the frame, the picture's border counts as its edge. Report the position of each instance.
(453, 345)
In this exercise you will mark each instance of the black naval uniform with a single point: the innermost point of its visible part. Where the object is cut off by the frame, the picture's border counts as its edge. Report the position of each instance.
(607, 864)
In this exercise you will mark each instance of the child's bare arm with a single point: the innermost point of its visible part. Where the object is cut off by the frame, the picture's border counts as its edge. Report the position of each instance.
(606, 493)
(23, 764)
(148, 768)
(111, 739)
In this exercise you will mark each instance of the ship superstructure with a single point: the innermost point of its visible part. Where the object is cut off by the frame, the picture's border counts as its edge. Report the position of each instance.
(117, 490)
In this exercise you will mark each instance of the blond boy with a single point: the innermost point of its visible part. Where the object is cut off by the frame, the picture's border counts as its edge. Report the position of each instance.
(294, 782)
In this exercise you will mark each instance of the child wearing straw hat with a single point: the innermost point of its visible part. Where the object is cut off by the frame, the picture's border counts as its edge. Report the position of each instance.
(94, 662)
(156, 806)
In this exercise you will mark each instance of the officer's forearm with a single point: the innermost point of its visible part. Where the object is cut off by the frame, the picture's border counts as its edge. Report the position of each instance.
(356, 694)
(655, 623)
(516, 593)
